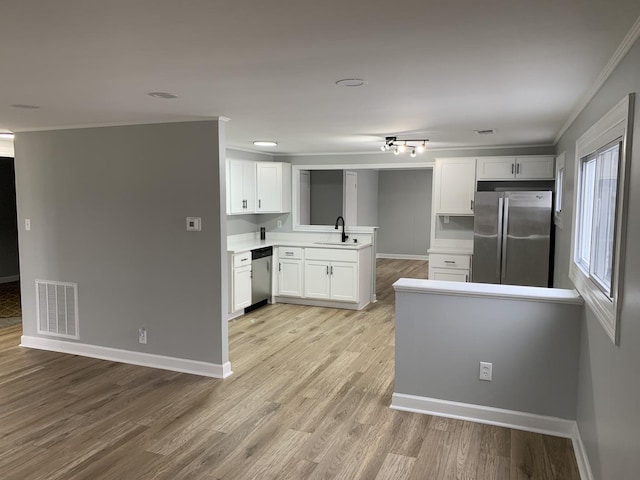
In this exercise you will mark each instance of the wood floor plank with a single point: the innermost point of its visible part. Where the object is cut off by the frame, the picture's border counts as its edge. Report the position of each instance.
(309, 398)
(395, 467)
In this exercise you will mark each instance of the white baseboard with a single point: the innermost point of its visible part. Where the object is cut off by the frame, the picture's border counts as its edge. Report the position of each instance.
(152, 360)
(402, 256)
(581, 456)
(11, 278)
(529, 422)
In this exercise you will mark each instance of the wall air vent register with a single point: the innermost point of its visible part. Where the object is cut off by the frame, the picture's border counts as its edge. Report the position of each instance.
(57, 308)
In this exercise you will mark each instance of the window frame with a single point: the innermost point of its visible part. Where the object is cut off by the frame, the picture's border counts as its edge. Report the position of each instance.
(559, 201)
(616, 124)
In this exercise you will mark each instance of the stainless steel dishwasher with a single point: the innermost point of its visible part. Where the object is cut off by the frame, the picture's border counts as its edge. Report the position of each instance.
(260, 276)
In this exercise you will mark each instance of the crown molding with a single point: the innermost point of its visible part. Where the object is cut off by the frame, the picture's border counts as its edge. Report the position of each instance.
(617, 57)
(119, 124)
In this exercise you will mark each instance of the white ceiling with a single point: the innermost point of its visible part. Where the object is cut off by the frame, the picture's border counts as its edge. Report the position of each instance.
(439, 68)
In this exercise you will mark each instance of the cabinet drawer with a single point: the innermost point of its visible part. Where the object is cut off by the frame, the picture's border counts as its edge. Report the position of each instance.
(241, 259)
(448, 274)
(331, 254)
(290, 252)
(438, 260)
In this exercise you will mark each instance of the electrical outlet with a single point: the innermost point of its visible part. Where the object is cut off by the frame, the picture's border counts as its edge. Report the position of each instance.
(142, 335)
(486, 371)
(278, 223)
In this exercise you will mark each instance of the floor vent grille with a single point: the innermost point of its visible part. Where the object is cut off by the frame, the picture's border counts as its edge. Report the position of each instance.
(57, 308)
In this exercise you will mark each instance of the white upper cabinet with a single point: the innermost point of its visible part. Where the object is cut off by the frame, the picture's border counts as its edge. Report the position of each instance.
(535, 168)
(258, 187)
(515, 168)
(455, 184)
(241, 187)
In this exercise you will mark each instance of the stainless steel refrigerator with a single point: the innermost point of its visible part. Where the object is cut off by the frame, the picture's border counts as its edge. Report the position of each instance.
(512, 238)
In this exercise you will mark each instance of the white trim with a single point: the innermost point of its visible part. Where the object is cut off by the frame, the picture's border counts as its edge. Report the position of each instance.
(236, 314)
(483, 414)
(402, 256)
(163, 362)
(559, 186)
(617, 57)
(9, 279)
(6, 148)
(468, 289)
(584, 467)
(614, 124)
(528, 422)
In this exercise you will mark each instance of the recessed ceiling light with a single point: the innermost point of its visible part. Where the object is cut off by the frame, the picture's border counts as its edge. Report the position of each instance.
(265, 143)
(25, 106)
(6, 135)
(352, 82)
(164, 95)
(489, 131)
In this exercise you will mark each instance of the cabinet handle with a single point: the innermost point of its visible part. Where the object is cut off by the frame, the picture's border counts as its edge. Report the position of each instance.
(279, 267)
(259, 203)
(449, 261)
(466, 277)
(518, 169)
(471, 204)
(327, 269)
(250, 273)
(288, 253)
(512, 168)
(244, 259)
(331, 269)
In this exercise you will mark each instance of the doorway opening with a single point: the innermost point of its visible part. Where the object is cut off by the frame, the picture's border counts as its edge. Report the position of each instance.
(10, 306)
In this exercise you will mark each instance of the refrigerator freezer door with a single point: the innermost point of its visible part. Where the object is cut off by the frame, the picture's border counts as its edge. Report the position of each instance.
(527, 236)
(487, 237)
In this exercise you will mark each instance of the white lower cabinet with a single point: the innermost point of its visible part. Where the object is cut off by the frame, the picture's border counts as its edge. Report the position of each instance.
(241, 287)
(448, 274)
(290, 277)
(331, 280)
(450, 267)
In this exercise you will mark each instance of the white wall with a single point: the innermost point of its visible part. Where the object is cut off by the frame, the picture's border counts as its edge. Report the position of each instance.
(108, 209)
(609, 387)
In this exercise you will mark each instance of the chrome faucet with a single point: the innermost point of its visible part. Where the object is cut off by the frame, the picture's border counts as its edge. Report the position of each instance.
(344, 235)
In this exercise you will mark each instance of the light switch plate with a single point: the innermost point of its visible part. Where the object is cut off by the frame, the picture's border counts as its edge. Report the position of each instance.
(27, 224)
(194, 224)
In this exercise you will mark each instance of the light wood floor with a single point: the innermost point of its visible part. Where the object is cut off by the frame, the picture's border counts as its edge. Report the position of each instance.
(308, 400)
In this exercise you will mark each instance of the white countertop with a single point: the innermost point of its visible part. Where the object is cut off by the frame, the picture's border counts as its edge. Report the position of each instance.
(515, 292)
(245, 245)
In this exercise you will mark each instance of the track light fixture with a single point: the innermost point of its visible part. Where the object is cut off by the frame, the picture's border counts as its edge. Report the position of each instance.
(401, 146)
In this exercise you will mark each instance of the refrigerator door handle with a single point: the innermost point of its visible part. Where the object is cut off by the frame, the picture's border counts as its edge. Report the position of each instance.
(505, 235)
(499, 242)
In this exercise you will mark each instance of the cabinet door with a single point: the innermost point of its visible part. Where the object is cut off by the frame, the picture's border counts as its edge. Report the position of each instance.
(241, 287)
(317, 279)
(540, 168)
(241, 187)
(455, 186)
(449, 275)
(269, 187)
(290, 278)
(344, 281)
(496, 168)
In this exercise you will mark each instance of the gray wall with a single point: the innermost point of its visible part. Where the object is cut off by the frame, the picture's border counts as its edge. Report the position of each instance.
(107, 209)
(326, 196)
(404, 211)
(367, 195)
(441, 340)
(609, 388)
(8, 220)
